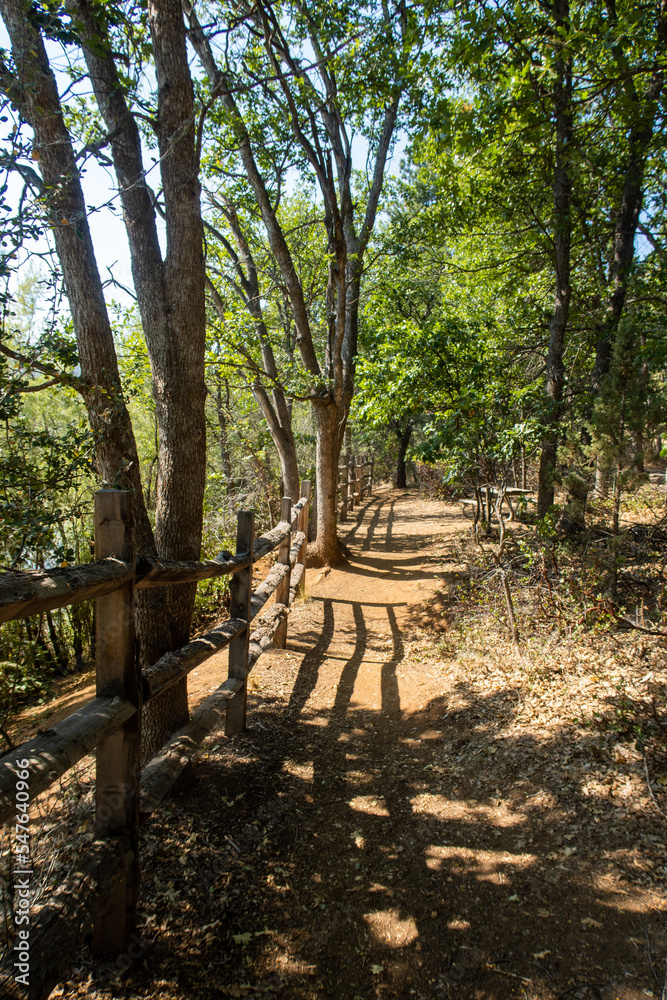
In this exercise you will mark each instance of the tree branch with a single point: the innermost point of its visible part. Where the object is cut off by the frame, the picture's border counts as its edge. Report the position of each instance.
(71, 381)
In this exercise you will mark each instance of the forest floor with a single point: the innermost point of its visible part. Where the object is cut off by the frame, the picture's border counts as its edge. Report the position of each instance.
(409, 814)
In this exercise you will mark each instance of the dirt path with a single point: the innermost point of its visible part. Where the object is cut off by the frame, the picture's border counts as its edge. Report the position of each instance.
(398, 824)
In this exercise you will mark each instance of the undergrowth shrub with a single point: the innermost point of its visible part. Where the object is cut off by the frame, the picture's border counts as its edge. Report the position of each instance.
(597, 598)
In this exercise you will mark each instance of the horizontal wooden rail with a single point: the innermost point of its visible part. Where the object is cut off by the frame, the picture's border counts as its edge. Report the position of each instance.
(177, 664)
(262, 638)
(24, 594)
(27, 593)
(296, 580)
(297, 544)
(158, 777)
(55, 751)
(266, 588)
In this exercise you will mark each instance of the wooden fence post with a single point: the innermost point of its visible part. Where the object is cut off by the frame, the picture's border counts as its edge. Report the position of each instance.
(343, 501)
(282, 590)
(303, 526)
(351, 481)
(240, 590)
(118, 769)
(360, 481)
(370, 481)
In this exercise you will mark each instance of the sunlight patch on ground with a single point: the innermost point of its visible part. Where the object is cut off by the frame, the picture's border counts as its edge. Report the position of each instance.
(430, 804)
(458, 924)
(615, 898)
(368, 804)
(318, 720)
(389, 929)
(484, 862)
(305, 771)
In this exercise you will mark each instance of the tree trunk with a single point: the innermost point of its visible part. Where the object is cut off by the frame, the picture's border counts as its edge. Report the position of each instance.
(170, 295)
(562, 240)
(278, 419)
(403, 436)
(601, 479)
(289, 471)
(177, 359)
(574, 515)
(643, 379)
(627, 220)
(523, 466)
(325, 550)
(60, 653)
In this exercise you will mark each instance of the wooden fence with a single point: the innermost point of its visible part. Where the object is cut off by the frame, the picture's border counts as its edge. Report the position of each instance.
(105, 887)
(354, 482)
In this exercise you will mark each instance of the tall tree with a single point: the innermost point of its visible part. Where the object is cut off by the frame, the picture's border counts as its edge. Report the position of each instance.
(170, 291)
(249, 269)
(170, 295)
(562, 241)
(317, 79)
(564, 98)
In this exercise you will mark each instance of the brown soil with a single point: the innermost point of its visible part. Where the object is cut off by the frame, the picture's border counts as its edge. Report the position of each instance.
(398, 824)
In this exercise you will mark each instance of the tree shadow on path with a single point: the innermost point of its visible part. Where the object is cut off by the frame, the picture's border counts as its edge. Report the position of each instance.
(340, 850)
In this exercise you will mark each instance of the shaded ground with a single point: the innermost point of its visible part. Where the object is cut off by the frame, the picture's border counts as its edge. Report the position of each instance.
(404, 817)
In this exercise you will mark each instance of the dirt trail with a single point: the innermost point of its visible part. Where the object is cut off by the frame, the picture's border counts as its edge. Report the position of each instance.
(363, 612)
(391, 825)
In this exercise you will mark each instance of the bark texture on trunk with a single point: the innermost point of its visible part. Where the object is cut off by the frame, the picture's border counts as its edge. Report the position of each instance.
(645, 108)
(177, 358)
(170, 292)
(627, 217)
(562, 243)
(325, 550)
(178, 371)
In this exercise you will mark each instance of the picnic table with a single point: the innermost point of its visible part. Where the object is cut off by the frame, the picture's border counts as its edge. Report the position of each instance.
(491, 491)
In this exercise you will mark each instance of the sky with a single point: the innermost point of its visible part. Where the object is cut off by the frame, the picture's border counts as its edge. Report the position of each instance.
(101, 195)
(103, 202)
